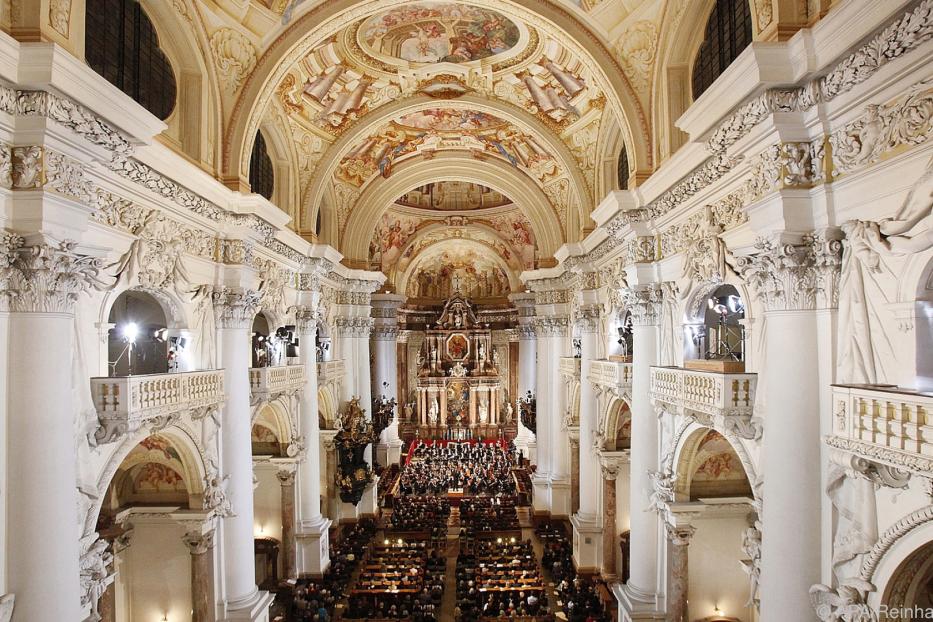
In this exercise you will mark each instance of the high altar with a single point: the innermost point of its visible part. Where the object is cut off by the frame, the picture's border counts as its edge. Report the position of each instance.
(459, 392)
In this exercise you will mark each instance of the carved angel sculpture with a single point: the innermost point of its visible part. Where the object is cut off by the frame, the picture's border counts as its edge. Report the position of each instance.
(663, 490)
(751, 546)
(215, 494)
(846, 603)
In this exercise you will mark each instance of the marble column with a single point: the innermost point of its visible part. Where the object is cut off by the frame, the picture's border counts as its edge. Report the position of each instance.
(802, 276)
(573, 434)
(545, 392)
(312, 529)
(610, 470)
(42, 281)
(234, 310)
(559, 483)
(201, 546)
(286, 475)
(385, 376)
(640, 597)
(527, 370)
(586, 522)
(679, 538)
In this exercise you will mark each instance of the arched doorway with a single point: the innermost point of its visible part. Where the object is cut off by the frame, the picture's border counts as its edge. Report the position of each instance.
(160, 538)
(911, 585)
(137, 342)
(714, 516)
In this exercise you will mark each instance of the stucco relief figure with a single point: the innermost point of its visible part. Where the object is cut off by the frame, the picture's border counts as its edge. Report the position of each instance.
(751, 546)
(95, 575)
(6, 607)
(856, 516)
(215, 495)
(509, 412)
(870, 262)
(434, 412)
(663, 492)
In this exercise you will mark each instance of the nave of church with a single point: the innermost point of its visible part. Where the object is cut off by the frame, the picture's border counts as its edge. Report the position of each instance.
(466, 310)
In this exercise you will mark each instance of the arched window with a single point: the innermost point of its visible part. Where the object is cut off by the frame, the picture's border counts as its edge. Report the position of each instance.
(623, 169)
(122, 46)
(728, 32)
(261, 175)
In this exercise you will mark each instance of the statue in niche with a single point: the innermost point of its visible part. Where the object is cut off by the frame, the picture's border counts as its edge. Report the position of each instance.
(751, 546)
(481, 351)
(483, 412)
(509, 412)
(434, 412)
(409, 411)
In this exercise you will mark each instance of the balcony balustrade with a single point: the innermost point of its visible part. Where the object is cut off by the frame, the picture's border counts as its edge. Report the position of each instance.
(570, 367)
(884, 424)
(124, 404)
(722, 399)
(266, 383)
(328, 371)
(613, 375)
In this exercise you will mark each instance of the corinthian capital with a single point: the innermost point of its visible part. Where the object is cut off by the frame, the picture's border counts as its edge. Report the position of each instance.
(795, 275)
(45, 277)
(644, 303)
(235, 307)
(306, 319)
(199, 543)
(586, 318)
(551, 326)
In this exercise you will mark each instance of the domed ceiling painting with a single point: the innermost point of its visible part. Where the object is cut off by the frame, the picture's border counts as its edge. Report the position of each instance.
(433, 32)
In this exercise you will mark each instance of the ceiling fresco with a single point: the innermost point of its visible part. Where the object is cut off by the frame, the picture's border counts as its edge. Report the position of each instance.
(434, 32)
(453, 196)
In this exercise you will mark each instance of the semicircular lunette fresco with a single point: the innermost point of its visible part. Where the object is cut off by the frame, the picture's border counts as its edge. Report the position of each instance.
(458, 269)
(435, 32)
(453, 196)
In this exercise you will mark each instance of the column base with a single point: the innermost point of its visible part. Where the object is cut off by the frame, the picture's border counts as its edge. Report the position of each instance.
(528, 448)
(559, 490)
(635, 605)
(369, 504)
(313, 547)
(255, 611)
(540, 501)
(587, 544)
(394, 451)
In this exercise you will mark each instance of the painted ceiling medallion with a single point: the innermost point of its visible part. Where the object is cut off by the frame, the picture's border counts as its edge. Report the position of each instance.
(436, 32)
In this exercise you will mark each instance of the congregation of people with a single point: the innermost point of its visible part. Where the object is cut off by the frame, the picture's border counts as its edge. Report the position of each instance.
(427, 515)
(436, 468)
(399, 581)
(577, 596)
(499, 579)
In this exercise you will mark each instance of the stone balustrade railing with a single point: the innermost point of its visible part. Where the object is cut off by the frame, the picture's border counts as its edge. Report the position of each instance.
(570, 366)
(126, 403)
(704, 391)
(611, 375)
(328, 371)
(884, 424)
(273, 381)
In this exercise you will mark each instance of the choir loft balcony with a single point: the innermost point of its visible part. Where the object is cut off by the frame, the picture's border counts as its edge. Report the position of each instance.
(329, 371)
(126, 403)
(724, 399)
(269, 383)
(884, 424)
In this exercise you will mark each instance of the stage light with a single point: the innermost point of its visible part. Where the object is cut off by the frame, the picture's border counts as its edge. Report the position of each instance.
(499, 540)
(400, 542)
(385, 542)
(159, 335)
(718, 611)
(130, 331)
(513, 540)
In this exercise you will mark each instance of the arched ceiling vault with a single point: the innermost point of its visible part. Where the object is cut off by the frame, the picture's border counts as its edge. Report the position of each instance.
(324, 21)
(575, 190)
(450, 166)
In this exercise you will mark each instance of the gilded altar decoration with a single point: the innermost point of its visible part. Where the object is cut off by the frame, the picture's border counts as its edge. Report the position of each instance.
(354, 474)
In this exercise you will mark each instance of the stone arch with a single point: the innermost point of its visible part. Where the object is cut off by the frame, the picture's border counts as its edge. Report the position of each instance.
(172, 304)
(503, 110)
(618, 417)
(906, 544)
(686, 452)
(194, 124)
(279, 417)
(609, 144)
(447, 166)
(326, 18)
(692, 312)
(327, 407)
(912, 580)
(193, 458)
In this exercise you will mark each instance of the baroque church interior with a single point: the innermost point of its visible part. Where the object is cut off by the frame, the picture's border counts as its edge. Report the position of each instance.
(466, 310)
